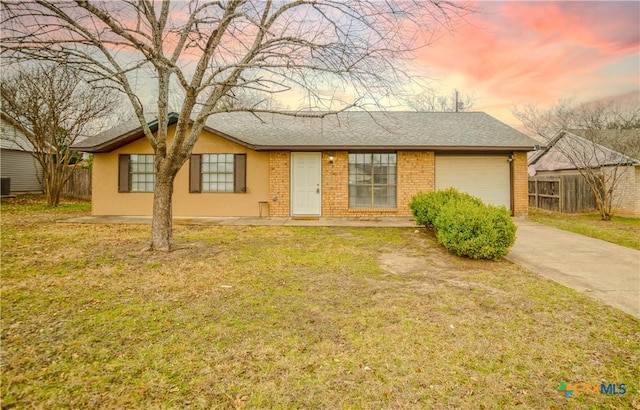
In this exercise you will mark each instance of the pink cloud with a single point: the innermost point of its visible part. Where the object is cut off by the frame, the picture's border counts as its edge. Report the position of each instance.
(532, 51)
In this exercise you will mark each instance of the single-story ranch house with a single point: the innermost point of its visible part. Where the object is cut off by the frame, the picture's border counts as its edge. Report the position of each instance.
(351, 164)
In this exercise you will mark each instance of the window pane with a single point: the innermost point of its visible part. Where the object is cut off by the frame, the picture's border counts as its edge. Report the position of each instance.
(218, 171)
(372, 180)
(142, 172)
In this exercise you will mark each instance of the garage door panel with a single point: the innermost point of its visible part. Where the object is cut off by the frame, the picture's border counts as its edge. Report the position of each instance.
(487, 177)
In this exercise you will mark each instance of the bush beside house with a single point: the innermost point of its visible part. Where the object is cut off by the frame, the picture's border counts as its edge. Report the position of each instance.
(464, 224)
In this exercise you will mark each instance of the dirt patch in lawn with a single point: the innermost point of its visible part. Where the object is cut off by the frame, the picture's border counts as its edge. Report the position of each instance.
(401, 264)
(289, 317)
(429, 274)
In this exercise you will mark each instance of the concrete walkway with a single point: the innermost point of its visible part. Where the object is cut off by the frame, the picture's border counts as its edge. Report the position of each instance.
(401, 222)
(605, 271)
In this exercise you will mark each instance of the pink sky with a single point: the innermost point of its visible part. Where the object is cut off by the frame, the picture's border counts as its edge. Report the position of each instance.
(512, 53)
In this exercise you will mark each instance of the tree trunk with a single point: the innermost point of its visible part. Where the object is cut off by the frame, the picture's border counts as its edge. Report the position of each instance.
(54, 185)
(161, 223)
(53, 196)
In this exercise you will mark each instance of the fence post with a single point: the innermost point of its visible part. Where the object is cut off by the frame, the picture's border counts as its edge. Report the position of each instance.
(561, 194)
(79, 184)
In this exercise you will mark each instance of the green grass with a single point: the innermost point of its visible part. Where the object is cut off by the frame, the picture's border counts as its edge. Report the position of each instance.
(619, 230)
(290, 317)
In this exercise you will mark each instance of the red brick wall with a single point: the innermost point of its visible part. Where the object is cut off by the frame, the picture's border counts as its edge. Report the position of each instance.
(520, 184)
(279, 188)
(415, 173)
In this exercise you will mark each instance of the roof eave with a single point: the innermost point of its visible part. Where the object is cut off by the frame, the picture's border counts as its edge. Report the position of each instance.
(113, 144)
(123, 139)
(391, 148)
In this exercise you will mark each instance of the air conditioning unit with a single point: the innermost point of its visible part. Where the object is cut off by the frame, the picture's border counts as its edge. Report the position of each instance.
(6, 186)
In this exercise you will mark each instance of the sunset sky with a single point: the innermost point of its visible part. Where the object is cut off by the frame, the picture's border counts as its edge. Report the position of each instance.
(515, 52)
(511, 53)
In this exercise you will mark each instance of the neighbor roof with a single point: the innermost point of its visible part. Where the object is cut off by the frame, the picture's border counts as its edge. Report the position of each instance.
(347, 130)
(624, 141)
(11, 138)
(589, 154)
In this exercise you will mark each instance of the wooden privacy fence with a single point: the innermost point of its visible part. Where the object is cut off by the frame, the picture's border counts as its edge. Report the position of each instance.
(79, 184)
(561, 193)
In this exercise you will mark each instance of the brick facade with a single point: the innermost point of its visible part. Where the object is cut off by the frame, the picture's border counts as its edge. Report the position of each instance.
(415, 173)
(520, 188)
(279, 180)
(335, 187)
(626, 194)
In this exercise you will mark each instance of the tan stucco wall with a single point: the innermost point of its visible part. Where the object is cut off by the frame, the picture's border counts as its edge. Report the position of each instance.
(108, 201)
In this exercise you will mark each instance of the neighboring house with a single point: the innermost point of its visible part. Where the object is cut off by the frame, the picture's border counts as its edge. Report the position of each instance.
(596, 151)
(353, 164)
(16, 161)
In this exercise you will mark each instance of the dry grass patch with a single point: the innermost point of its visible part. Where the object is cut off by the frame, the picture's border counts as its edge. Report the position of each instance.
(620, 230)
(304, 317)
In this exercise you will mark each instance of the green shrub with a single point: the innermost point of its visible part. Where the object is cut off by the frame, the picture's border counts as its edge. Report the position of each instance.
(426, 206)
(475, 231)
(464, 224)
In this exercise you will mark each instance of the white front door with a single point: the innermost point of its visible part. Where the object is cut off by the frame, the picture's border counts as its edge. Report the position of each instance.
(306, 181)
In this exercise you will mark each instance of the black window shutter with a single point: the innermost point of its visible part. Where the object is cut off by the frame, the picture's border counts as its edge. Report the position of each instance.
(240, 173)
(123, 174)
(195, 173)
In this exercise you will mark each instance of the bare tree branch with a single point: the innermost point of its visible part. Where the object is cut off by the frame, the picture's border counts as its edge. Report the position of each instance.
(53, 107)
(210, 50)
(600, 140)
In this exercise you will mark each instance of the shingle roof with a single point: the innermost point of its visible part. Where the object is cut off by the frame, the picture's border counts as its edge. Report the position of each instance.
(12, 139)
(624, 141)
(121, 134)
(588, 154)
(353, 130)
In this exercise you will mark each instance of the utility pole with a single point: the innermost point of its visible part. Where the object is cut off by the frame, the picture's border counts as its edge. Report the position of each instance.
(456, 100)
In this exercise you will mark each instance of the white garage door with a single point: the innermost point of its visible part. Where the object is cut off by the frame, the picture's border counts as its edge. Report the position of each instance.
(486, 177)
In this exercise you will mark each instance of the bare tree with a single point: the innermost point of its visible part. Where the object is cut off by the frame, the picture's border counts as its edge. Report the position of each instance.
(432, 101)
(249, 100)
(211, 48)
(600, 140)
(52, 106)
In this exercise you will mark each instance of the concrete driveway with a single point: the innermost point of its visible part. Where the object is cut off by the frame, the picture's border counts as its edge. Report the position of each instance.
(605, 271)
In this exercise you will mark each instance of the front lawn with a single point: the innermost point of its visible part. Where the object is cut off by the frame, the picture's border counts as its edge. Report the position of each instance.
(619, 230)
(290, 317)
